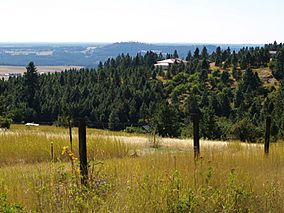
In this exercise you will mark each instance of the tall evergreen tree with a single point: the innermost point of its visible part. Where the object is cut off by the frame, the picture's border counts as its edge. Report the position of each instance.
(166, 121)
(196, 53)
(188, 57)
(175, 54)
(204, 53)
(31, 93)
(278, 70)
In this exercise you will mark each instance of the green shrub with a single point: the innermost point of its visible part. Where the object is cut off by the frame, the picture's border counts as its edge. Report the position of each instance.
(7, 207)
(245, 130)
(187, 131)
(63, 121)
(5, 122)
(133, 129)
(225, 126)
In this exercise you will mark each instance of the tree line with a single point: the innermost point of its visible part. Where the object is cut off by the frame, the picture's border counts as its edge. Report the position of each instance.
(129, 92)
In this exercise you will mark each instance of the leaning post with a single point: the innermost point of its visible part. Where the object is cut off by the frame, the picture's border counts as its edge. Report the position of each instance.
(83, 152)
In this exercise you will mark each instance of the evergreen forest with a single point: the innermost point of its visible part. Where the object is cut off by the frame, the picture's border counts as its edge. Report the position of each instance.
(232, 92)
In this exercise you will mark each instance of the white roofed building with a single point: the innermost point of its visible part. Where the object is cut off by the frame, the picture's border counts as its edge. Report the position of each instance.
(168, 62)
(272, 52)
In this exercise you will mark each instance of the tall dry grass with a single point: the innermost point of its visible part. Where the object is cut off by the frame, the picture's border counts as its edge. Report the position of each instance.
(22, 145)
(230, 178)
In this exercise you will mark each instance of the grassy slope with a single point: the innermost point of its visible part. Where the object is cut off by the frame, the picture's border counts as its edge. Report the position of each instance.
(235, 178)
(265, 75)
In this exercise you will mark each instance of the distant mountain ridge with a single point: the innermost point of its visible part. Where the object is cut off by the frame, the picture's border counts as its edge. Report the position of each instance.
(133, 48)
(88, 54)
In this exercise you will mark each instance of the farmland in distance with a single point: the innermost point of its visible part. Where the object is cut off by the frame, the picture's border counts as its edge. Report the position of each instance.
(6, 71)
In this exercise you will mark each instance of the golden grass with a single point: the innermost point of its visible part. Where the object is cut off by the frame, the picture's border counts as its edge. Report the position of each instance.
(22, 145)
(231, 178)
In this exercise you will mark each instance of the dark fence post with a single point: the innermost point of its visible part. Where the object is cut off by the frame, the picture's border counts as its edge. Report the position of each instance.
(83, 152)
(196, 144)
(70, 135)
(267, 135)
(52, 151)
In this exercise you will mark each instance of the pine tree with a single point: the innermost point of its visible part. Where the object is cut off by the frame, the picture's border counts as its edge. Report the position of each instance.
(225, 77)
(175, 54)
(204, 53)
(218, 59)
(244, 63)
(143, 111)
(215, 105)
(116, 78)
(114, 120)
(203, 76)
(188, 57)
(226, 106)
(236, 74)
(209, 126)
(166, 121)
(196, 53)
(192, 105)
(251, 81)
(234, 59)
(278, 71)
(204, 64)
(218, 51)
(31, 85)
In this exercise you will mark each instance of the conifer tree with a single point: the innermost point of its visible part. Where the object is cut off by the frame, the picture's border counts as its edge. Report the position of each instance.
(188, 57)
(196, 53)
(31, 93)
(175, 54)
(204, 53)
(278, 70)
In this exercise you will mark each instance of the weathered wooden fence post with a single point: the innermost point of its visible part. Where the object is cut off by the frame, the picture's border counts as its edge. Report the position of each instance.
(70, 135)
(196, 144)
(267, 135)
(83, 152)
(51, 151)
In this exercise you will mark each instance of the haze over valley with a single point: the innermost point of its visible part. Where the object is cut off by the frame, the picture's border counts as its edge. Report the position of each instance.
(89, 54)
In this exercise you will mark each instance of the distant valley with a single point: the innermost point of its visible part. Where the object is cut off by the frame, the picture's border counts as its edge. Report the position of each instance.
(8, 71)
(88, 54)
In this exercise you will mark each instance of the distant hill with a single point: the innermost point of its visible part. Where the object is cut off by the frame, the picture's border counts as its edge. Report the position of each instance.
(132, 48)
(87, 54)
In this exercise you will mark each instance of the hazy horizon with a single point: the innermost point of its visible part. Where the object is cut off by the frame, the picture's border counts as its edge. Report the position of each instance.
(106, 43)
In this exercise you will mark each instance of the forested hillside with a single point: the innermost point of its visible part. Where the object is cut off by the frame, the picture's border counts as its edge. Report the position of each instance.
(232, 91)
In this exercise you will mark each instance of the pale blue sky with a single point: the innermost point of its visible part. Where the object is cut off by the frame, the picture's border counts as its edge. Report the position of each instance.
(179, 21)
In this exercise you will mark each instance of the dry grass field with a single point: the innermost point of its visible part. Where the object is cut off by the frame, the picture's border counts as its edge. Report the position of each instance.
(126, 174)
(5, 70)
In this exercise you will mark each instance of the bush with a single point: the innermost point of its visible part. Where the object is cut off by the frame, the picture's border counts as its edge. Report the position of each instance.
(187, 131)
(62, 121)
(5, 122)
(132, 129)
(225, 126)
(208, 125)
(245, 130)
